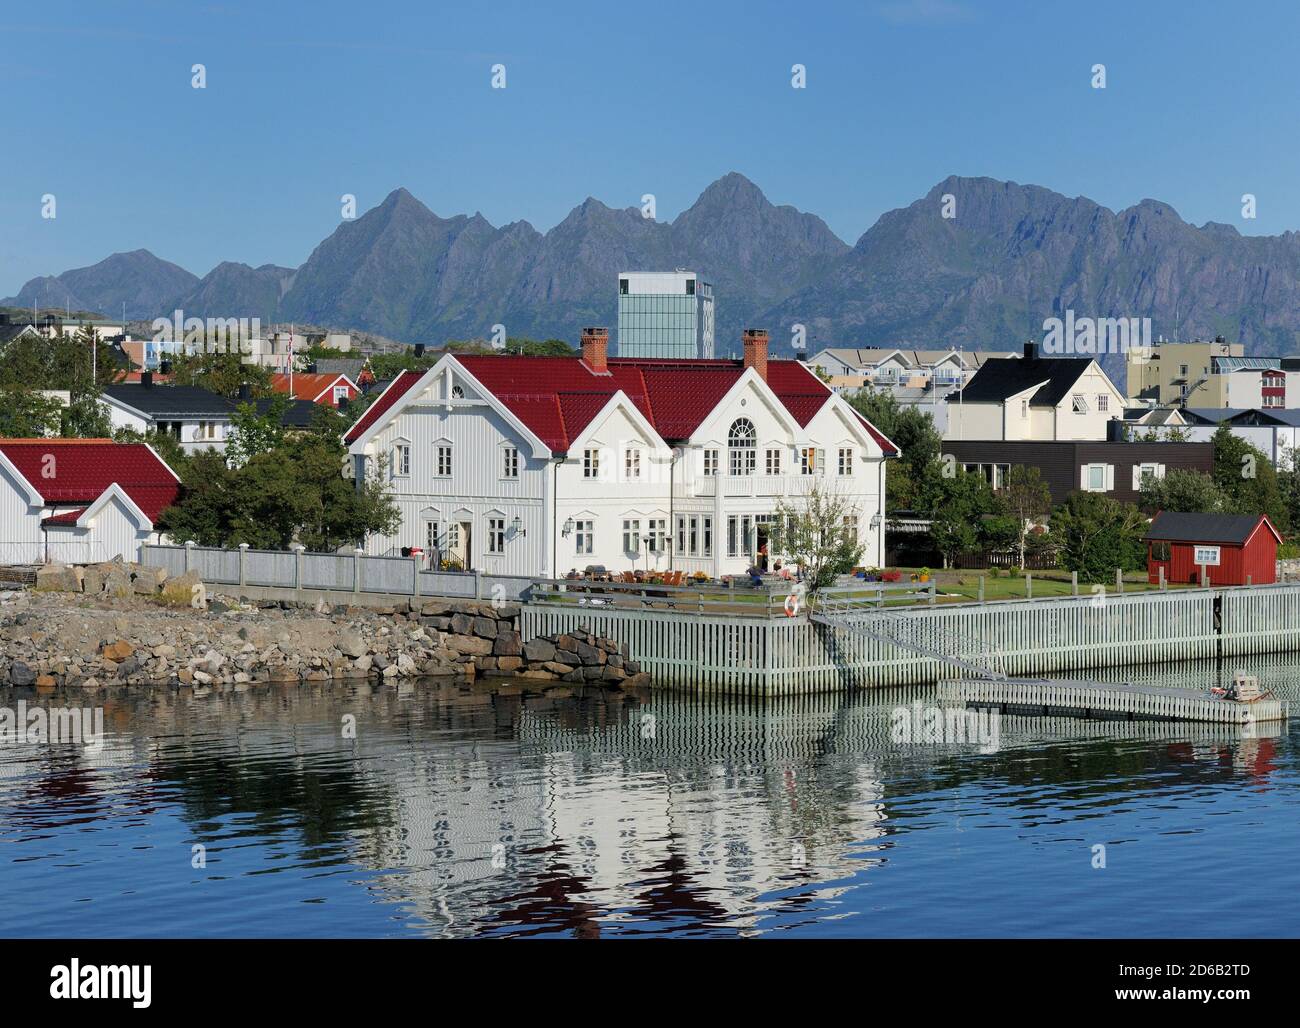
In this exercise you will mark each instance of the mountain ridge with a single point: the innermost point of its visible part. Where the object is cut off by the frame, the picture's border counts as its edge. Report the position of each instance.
(1013, 255)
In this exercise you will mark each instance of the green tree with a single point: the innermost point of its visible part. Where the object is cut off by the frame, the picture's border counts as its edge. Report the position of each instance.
(1027, 499)
(1097, 535)
(252, 433)
(221, 373)
(294, 492)
(1183, 490)
(811, 531)
(1247, 478)
(166, 445)
(965, 498)
(28, 414)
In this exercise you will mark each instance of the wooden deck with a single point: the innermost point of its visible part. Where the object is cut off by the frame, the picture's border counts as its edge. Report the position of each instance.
(1109, 700)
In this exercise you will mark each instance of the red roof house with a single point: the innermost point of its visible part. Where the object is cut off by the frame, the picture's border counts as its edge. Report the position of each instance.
(327, 390)
(1229, 548)
(80, 500)
(526, 465)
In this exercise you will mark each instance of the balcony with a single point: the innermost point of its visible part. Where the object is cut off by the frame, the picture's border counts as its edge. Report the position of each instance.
(740, 485)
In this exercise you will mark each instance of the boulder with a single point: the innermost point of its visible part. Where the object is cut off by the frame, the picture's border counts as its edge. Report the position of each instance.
(485, 628)
(461, 624)
(179, 591)
(539, 650)
(509, 664)
(352, 645)
(117, 651)
(21, 674)
(468, 644)
(58, 578)
(507, 644)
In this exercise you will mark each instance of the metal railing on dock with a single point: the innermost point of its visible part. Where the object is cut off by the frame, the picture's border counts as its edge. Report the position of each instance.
(1111, 700)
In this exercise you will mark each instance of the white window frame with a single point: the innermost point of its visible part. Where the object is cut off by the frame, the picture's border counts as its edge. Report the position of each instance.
(496, 536)
(591, 463)
(710, 462)
(631, 535)
(772, 461)
(402, 459)
(632, 464)
(657, 533)
(445, 465)
(584, 537)
(509, 462)
(846, 460)
(1206, 555)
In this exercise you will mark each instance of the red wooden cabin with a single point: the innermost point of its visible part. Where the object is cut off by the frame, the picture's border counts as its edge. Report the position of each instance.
(1230, 547)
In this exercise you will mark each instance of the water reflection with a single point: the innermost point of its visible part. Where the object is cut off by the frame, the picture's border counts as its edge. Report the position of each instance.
(454, 811)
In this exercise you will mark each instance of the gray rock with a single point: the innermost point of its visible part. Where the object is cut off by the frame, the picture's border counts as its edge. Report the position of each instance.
(21, 674)
(539, 650)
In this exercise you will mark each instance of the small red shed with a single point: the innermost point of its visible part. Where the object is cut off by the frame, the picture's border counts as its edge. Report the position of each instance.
(1230, 547)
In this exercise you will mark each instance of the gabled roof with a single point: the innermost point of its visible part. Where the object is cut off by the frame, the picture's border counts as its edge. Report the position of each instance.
(393, 392)
(997, 381)
(1232, 529)
(82, 469)
(170, 401)
(309, 386)
(557, 397)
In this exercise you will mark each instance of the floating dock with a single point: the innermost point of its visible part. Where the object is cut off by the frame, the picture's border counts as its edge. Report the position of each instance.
(1110, 700)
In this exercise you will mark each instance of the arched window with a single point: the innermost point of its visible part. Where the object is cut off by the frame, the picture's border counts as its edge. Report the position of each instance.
(742, 443)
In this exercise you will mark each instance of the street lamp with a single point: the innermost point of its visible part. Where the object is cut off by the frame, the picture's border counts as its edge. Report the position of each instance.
(568, 527)
(876, 521)
(518, 526)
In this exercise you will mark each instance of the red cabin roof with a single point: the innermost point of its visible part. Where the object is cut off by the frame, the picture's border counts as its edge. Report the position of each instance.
(81, 469)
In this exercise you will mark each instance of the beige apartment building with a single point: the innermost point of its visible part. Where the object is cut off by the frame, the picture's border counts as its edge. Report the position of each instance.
(1191, 374)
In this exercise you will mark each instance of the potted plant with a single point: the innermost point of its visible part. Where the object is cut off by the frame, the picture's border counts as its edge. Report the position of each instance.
(925, 575)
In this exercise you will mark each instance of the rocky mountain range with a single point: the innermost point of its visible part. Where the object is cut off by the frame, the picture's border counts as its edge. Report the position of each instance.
(1011, 256)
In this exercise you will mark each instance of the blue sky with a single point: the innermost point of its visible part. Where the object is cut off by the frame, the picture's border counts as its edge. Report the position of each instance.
(306, 102)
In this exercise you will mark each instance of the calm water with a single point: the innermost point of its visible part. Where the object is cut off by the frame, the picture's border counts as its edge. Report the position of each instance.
(456, 812)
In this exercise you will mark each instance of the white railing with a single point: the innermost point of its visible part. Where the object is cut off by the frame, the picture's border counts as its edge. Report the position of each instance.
(300, 570)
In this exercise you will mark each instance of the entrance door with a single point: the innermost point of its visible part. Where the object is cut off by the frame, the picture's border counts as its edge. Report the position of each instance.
(459, 542)
(763, 552)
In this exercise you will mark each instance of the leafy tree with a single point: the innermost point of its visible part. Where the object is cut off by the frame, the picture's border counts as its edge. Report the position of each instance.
(1026, 498)
(1183, 490)
(811, 532)
(912, 482)
(1097, 535)
(221, 373)
(1247, 478)
(965, 498)
(28, 414)
(294, 492)
(253, 433)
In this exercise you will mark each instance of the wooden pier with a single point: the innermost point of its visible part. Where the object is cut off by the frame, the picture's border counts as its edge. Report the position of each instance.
(1116, 700)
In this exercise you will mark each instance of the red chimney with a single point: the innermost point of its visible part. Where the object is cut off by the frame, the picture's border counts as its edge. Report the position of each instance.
(755, 340)
(595, 349)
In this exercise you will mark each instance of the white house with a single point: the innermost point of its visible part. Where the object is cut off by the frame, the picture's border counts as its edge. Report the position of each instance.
(198, 418)
(1038, 399)
(538, 465)
(80, 500)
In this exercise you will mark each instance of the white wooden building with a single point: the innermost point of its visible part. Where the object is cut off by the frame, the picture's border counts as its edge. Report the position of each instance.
(540, 465)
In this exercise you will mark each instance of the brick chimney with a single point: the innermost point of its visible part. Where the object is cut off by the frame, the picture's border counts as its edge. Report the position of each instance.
(755, 340)
(595, 349)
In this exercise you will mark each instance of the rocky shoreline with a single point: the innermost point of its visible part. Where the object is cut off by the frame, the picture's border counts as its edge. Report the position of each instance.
(131, 635)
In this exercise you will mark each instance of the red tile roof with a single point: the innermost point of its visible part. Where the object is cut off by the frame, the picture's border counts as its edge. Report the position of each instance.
(397, 388)
(310, 386)
(82, 469)
(66, 518)
(557, 397)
